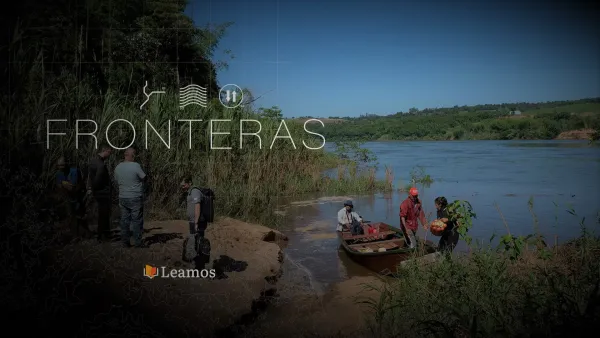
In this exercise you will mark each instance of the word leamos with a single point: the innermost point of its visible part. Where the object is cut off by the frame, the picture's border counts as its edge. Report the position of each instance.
(167, 142)
(153, 271)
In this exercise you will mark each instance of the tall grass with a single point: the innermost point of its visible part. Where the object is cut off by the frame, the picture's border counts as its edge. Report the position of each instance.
(492, 294)
(248, 180)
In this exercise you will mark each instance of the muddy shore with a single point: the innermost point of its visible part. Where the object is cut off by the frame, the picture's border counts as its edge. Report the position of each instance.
(338, 312)
(97, 290)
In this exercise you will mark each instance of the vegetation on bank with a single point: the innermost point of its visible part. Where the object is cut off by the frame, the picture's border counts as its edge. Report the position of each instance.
(519, 288)
(69, 69)
(511, 286)
(79, 79)
(481, 122)
(62, 67)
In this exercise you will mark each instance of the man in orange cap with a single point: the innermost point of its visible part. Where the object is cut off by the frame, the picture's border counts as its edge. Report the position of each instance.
(411, 211)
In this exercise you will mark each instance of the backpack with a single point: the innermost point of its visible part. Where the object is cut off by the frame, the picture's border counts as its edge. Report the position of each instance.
(356, 227)
(207, 208)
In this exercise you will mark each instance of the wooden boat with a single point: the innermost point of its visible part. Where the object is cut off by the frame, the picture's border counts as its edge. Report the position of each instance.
(382, 252)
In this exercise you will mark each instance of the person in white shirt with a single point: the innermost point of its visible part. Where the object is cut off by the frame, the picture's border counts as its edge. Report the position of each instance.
(346, 217)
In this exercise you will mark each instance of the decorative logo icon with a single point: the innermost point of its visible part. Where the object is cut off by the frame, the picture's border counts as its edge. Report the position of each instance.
(192, 94)
(148, 95)
(231, 96)
(150, 271)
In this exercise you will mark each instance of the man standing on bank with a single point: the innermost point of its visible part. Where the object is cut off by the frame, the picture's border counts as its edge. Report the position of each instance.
(197, 225)
(194, 202)
(411, 211)
(130, 177)
(100, 187)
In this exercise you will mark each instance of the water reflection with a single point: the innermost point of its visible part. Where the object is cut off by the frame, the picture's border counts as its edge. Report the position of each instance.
(389, 204)
(313, 244)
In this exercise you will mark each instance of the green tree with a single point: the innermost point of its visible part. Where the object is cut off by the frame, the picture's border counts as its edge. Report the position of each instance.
(476, 122)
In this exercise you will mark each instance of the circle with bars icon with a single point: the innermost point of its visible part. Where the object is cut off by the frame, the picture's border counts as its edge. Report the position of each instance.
(231, 96)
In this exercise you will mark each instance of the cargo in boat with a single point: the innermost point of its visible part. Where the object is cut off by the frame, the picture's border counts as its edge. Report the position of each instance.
(381, 252)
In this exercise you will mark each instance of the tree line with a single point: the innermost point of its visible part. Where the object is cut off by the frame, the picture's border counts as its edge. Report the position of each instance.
(112, 46)
(74, 60)
(482, 122)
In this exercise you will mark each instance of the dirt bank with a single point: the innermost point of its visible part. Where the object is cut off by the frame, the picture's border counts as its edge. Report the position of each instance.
(338, 312)
(111, 278)
(581, 134)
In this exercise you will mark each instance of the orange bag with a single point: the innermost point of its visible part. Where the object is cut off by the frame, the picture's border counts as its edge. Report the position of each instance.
(437, 227)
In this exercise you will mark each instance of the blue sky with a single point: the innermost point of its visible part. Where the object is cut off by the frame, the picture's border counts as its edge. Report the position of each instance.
(380, 57)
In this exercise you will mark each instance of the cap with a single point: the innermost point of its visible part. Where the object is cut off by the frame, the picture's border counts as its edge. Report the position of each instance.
(349, 203)
(413, 191)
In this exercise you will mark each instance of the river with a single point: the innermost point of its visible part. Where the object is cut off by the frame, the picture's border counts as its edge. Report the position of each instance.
(558, 175)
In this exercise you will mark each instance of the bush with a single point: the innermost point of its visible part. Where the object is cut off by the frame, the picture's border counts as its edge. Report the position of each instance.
(488, 294)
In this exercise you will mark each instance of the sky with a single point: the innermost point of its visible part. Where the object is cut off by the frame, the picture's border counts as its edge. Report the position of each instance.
(350, 58)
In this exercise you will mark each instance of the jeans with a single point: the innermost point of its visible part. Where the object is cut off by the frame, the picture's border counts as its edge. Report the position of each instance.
(132, 213)
(409, 236)
(197, 248)
(448, 241)
(104, 211)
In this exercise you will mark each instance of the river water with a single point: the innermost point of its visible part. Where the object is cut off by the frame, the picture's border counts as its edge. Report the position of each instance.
(558, 175)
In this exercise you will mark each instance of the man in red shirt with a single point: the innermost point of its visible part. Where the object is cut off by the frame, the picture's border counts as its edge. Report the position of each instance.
(411, 210)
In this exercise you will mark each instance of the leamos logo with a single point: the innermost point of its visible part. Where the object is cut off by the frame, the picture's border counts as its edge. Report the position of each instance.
(152, 271)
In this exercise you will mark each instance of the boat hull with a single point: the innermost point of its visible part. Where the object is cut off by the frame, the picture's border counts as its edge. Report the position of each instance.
(386, 262)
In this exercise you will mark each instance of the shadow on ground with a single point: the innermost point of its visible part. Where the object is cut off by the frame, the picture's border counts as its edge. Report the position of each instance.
(227, 264)
(162, 238)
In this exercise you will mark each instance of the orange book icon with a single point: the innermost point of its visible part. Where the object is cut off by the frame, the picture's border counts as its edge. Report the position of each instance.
(150, 271)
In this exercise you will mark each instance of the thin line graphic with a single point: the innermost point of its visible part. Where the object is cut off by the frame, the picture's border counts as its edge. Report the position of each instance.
(192, 94)
(149, 95)
(194, 86)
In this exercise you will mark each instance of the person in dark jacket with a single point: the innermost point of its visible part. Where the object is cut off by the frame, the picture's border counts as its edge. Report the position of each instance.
(69, 182)
(100, 187)
(450, 236)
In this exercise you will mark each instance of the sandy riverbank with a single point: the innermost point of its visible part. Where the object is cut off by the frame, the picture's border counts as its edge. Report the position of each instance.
(581, 134)
(99, 289)
(336, 313)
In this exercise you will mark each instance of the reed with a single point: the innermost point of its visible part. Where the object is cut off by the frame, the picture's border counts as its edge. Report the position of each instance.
(248, 179)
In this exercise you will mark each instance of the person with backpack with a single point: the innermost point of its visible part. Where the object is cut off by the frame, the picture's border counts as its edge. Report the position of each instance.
(200, 212)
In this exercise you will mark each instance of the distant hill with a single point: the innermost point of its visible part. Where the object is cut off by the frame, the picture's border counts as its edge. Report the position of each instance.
(325, 120)
(546, 120)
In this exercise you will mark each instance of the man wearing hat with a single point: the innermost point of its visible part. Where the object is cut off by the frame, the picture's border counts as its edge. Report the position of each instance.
(349, 220)
(411, 211)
